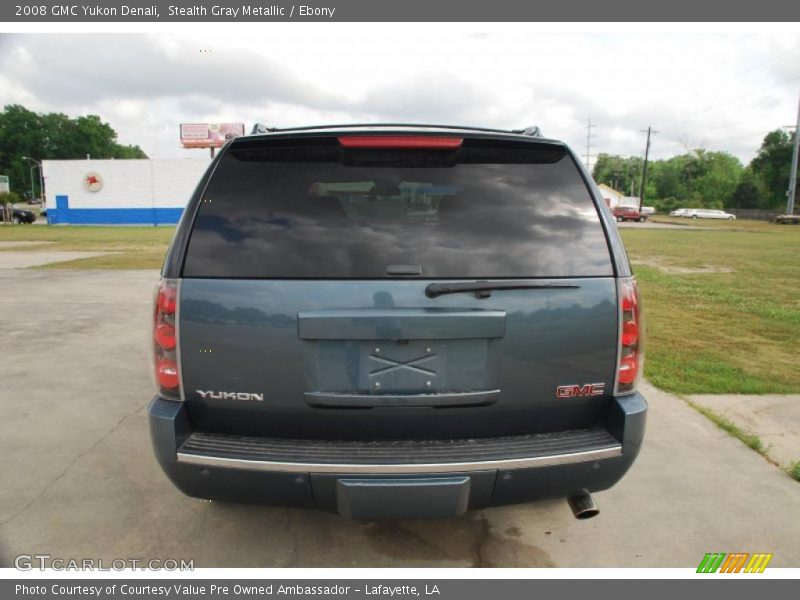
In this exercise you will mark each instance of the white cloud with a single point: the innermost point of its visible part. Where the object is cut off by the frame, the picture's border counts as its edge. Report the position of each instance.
(720, 90)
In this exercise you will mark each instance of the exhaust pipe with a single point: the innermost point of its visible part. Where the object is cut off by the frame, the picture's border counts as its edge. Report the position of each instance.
(583, 507)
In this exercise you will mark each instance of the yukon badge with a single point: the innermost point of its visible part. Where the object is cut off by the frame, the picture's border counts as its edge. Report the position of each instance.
(574, 391)
(212, 395)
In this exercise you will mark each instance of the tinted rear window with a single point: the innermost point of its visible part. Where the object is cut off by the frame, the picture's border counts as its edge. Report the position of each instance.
(314, 210)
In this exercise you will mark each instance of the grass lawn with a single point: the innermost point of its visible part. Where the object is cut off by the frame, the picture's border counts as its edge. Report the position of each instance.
(722, 306)
(722, 303)
(133, 247)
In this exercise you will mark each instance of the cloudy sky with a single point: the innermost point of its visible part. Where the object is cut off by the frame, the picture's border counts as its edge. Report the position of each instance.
(719, 91)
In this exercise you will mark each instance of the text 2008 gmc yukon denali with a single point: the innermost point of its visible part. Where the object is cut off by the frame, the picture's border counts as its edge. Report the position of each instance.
(397, 321)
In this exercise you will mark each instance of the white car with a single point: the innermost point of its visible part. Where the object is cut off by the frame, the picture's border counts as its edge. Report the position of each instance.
(707, 213)
(680, 212)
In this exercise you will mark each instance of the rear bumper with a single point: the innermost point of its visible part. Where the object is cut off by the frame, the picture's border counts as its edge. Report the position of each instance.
(397, 479)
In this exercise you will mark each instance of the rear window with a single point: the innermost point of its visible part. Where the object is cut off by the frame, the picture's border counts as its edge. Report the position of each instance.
(315, 210)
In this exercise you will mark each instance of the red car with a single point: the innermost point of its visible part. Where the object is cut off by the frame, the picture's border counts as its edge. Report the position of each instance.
(628, 213)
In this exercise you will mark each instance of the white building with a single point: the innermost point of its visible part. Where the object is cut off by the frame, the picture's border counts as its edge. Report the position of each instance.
(610, 195)
(616, 198)
(120, 192)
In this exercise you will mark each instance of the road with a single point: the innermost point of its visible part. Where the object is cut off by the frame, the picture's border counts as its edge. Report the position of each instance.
(79, 479)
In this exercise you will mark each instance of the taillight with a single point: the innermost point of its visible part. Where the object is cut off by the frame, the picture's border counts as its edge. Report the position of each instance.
(167, 374)
(165, 353)
(631, 348)
(426, 142)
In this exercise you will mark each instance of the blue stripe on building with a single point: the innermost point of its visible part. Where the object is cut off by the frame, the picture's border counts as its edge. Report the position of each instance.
(62, 214)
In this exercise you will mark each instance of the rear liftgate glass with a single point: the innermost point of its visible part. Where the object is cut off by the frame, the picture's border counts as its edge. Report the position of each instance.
(362, 207)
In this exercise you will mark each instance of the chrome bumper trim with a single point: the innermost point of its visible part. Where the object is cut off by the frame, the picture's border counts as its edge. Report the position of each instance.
(449, 467)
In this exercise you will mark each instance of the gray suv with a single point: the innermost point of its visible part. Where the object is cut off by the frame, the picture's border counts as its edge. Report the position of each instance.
(397, 321)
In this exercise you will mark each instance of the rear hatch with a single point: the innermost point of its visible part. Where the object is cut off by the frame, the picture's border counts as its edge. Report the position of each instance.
(361, 287)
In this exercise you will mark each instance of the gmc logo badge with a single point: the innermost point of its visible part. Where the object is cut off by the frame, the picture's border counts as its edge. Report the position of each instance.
(574, 391)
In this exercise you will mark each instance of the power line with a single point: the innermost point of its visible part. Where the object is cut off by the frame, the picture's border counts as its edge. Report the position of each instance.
(749, 94)
(769, 60)
(739, 137)
(729, 101)
(742, 72)
(723, 103)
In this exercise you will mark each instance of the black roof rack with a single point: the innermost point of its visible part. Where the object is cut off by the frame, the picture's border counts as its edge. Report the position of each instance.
(532, 131)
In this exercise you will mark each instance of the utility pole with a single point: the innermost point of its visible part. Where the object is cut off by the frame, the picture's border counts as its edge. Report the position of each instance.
(793, 177)
(644, 167)
(36, 163)
(589, 137)
(33, 194)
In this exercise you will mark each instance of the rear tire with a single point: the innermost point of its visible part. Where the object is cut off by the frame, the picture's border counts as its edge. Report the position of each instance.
(620, 219)
(642, 219)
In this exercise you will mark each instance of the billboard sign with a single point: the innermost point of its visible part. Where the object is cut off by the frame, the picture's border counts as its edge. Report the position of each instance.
(209, 135)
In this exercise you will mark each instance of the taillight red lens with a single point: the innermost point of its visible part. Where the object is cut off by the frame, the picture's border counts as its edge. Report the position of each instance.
(165, 340)
(167, 374)
(165, 336)
(167, 299)
(628, 302)
(630, 333)
(630, 341)
(628, 369)
(428, 142)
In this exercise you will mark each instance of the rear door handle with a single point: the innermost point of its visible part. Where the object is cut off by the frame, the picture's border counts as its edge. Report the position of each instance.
(337, 400)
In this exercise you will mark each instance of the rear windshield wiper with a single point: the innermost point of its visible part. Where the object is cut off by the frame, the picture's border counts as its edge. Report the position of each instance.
(483, 289)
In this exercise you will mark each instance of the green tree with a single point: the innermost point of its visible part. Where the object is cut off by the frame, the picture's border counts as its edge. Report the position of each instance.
(618, 172)
(668, 178)
(748, 193)
(701, 178)
(718, 175)
(53, 136)
(772, 167)
(707, 179)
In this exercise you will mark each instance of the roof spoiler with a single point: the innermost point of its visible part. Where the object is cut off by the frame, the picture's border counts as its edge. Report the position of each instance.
(532, 131)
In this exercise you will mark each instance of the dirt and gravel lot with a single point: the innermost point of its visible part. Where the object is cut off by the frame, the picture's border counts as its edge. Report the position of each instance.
(79, 479)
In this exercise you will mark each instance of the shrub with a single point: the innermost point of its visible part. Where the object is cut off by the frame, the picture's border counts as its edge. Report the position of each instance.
(9, 198)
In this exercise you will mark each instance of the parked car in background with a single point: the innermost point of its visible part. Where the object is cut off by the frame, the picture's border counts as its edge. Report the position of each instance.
(708, 213)
(386, 342)
(628, 213)
(18, 215)
(680, 212)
